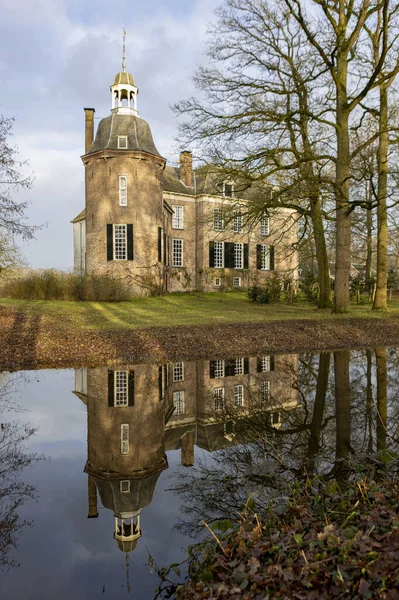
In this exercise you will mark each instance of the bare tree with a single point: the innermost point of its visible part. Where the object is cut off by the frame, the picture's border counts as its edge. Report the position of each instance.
(261, 122)
(12, 212)
(336, 34)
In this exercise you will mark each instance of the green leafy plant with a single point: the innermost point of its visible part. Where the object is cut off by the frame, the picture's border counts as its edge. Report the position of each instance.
(267, 293)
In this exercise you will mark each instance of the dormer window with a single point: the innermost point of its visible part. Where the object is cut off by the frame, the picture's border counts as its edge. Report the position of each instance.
(122, 142)
(228, 189)
(125, 485)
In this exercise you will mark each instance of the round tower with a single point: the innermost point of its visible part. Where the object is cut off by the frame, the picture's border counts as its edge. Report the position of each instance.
(125, 215)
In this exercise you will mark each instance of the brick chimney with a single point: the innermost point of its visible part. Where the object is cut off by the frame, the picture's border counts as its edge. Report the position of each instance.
(186, 168)
(187, 449)
(89, 128)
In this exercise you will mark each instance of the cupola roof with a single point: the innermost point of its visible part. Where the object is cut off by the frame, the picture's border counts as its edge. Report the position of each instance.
(124, 78)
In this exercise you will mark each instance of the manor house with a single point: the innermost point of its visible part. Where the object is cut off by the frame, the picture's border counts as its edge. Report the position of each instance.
(162, 228)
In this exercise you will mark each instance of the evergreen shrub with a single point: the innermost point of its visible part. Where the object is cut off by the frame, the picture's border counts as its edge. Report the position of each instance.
(267, 293)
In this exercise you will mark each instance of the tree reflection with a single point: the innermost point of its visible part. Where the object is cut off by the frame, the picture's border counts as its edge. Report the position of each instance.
(342, 415)
(13, 459)
(323, 435)
(381, 358)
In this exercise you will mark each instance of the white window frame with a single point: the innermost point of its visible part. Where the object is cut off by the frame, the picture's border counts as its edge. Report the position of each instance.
(218, 396)
(239, 366)
(219, 369)
(219, 255)
(122, 145)
(238, 222)
(122, 190)
(178, 402)
(114, 230)
(123, 485)
(178, 217)
(230, 183)
(174, 262)
(265, 392)
(178, 371)
(265, 363)
(236, 282)
(125, 438)
(218, 221)
(239, 395)
(121, 388)
(265, 258)
(239, 255)
(265, 225)
(218, 281)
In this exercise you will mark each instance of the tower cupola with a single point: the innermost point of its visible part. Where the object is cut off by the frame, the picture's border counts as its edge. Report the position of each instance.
(124, 92)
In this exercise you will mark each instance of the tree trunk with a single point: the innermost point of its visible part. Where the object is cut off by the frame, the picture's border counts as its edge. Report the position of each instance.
(380, 300)
(318, 411)
(343, 219)
(343, 415)
(369, 234)
(381, 356)
(321, 255)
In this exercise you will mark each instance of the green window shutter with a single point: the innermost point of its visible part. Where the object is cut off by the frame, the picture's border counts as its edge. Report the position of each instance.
(131, 388)
(246, 366)
(229, 255)
(229, 368)
(111, 388)
(159, 244)
(211, 254)
(129, 229)
(259, 364)
(246, 255)
(212, 369)
(271, 258)
(258, 256)
(110, 242)
(164, 248)
(272, 363)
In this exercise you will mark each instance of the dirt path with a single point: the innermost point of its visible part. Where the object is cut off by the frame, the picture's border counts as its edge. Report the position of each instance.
(39, 342)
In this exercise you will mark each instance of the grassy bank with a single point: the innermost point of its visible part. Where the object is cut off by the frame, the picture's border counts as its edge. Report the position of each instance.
(176, 310)
(49, 334)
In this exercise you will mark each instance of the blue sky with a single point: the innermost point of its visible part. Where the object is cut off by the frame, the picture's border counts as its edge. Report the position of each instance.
(58, 56)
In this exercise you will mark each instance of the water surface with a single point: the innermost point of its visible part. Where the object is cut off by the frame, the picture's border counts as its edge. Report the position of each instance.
(126, 463)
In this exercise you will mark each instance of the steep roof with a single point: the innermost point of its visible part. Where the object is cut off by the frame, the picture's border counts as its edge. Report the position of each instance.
(135, 129)
(171, 182)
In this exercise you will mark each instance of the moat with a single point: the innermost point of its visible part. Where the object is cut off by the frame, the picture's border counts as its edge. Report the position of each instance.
(103, 468)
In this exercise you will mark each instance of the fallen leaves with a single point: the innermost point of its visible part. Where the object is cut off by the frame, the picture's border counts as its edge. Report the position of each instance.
(312, 557)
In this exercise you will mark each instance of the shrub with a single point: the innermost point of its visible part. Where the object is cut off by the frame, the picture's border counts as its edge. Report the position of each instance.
(310, 287)
(267, 293)
(50, 284)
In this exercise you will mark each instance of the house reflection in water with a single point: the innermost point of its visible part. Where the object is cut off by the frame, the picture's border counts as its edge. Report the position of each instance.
(135, 415)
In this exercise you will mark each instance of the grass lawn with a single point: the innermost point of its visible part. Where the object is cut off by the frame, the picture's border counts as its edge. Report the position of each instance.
(182, 309)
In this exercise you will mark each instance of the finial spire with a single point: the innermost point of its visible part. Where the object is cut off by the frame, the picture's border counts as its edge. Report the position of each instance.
(124, 51)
